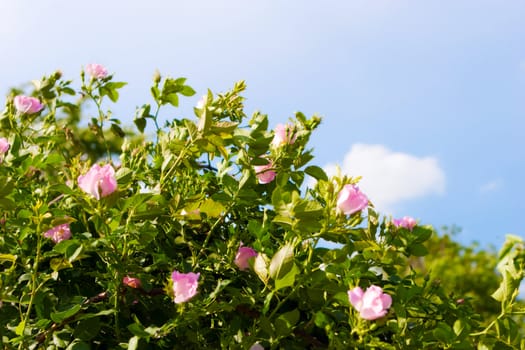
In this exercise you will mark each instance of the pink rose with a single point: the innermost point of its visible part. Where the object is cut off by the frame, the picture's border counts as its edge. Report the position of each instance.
(184, 286)
(243, 257)
(406, 222)
(132, 282)
(58, 233)
(96, 70)
(4, 145)
(28, 105)
(371, 304)
(256, 346)
(264, 173)
(98, 181)
(283, 135)
(350, 200)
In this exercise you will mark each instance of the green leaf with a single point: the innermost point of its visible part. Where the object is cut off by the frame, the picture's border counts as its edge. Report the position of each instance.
(8, 257)
(133, 343)
(78, 346)
(205, 121)
(155, 93)
(70, 248)
(459, 327)
(285, 323)
(282, 262)
(117, 130)
(60, 316)
(221, 284)
(246, 174)
(506, 289)
(187, 91)
(117, 84)
(485, 345)
(138, 330)
(7, 204)
(287, 280)
(316, 172)
(285, 220)
(260, 266)
(61, 338)
(267, 302)
(418, 249)
(19, 330)
(87, 329)
(110, 90)
(321, 319)
(172, 99)
(444, 333)
(212, 208)
(422, 233)
(106, 312)
(58, 264)
(124, 175)
(140, 123)
(6, 186)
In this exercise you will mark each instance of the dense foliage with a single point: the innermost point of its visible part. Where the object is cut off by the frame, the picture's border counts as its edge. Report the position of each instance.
(208, 236)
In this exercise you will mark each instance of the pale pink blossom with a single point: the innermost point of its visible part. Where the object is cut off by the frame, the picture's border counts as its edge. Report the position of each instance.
(59, 233)
(265, 173)
(372, 304)
(132, 282)
(283, 135)
(27, 104)
(202, 102)
(406, 222)
(256, 346)
(98, 181)
(4, 146)
(184, 286)
(350, 200)
(243, 257)
(97, 71)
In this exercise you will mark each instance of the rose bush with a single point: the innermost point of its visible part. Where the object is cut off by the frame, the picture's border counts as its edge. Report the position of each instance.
(208, 236)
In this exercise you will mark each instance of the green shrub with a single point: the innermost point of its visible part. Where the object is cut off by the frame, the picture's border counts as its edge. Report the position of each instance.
(208, 236)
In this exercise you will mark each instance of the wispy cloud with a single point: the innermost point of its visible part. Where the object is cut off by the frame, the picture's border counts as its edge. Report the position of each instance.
(491, 186)
(392, 177)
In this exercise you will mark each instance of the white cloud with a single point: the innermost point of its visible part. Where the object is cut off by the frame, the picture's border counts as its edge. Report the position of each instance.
(491, 186)
(391, 177)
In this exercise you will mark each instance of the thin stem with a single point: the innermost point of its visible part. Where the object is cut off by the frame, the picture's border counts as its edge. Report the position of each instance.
(34, 287)
(210, 231)
(182, 153)
(116, 306)
(282, 301)
(155, 120)
(489, 326)
(101, 117)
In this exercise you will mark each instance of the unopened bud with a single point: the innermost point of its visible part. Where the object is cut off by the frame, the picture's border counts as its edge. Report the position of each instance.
(156, 76)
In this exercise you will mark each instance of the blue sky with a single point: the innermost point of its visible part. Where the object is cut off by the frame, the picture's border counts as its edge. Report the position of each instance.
(426, 99)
